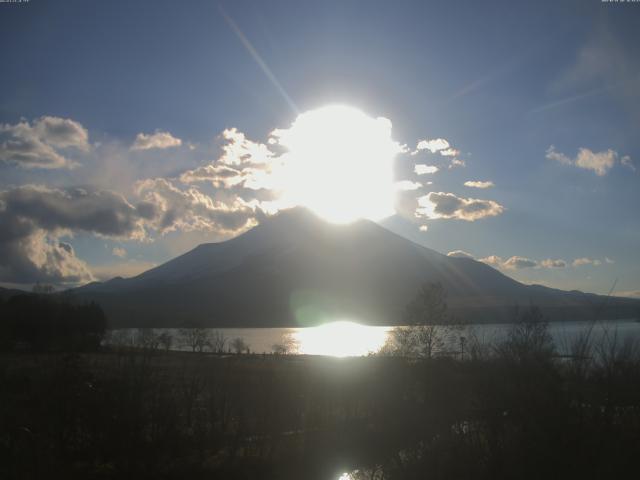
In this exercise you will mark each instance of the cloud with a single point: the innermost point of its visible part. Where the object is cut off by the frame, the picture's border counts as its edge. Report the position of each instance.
(600, 163)
(449, 152)
(478, 184)
(518, 263)
(442, 147)
(447, 205)
(62, 133)
(606, 63)
(551, 263)
(433, 146)
(628, 293)
(37, 256)
(456, 162)
(157, 140)
(190, 209)
(38, 145)
(493, 260)
(627, 162)
(609, 261)
(459, 254)
(578, 262)
(102, 212)
(423, 228)
(407, 185)
(220, 176)
(33, 219)
(425, 169)
(119, 252)
(513, 263)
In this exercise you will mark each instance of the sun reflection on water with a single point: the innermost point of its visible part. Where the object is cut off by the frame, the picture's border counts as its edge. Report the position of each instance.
(340, 339)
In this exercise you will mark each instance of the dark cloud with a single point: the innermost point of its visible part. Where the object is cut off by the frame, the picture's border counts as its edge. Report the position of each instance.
(33, 218)
(38, 145)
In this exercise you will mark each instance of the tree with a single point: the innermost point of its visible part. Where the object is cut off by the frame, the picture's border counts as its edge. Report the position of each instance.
(195, 337)
(147, 339)
(217, 341)
(43, 288)
(528, 338)
(428, 324)
(286, 346)
(239, 345)
(166, 340)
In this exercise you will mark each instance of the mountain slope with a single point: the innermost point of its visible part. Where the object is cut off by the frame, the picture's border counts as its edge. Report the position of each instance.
(295, 269)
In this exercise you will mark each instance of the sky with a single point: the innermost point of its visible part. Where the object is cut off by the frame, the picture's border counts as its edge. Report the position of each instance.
(131, 132)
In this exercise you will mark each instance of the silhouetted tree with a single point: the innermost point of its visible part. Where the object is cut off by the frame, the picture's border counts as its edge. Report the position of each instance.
(195, 337)
(166, 340)
(217, 341)
(528, 337)
(238, 345)
(428, 324)
(47, 323)
(43, 288)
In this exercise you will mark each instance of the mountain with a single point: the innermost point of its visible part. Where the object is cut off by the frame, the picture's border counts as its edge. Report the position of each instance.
(296, 269)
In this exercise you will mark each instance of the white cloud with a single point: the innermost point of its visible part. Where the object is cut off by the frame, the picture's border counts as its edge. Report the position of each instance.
(425, 169)
(608, 260)
(449, 152)
(423, 228)
(551, 263)
(119, 252)
(456, 162)
(39, 145)
(408, 185)
(434, 145)
(628, 293)
(627, 162)
(191, 209)
(459, 254)
(157, 140)
(599, 162)
(518, 263)
(493, 260)
(447, 205)
(478, 184)
(586, 261)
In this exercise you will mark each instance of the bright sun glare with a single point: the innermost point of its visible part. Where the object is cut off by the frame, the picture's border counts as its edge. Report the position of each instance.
(341, 339)
(339, 164)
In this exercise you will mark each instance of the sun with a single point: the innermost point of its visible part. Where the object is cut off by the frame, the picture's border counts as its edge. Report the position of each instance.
(338, 162)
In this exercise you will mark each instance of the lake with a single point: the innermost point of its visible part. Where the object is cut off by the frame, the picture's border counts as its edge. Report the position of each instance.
(341, 339)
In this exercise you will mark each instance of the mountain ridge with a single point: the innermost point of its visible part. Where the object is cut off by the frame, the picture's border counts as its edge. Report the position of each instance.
(296, 269)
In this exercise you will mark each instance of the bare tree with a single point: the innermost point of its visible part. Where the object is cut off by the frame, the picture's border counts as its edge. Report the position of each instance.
(428, 325)
(217, 342)
(147, 339)
(528, 338)
(196, 338)
(286, 346)
(43, 288)
(166, 340)
(239, 345)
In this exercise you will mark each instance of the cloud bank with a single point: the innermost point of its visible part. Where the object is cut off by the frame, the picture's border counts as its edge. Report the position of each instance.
(43, 143)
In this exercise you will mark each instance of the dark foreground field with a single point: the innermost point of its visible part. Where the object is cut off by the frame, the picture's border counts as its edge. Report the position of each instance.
(180, 415)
